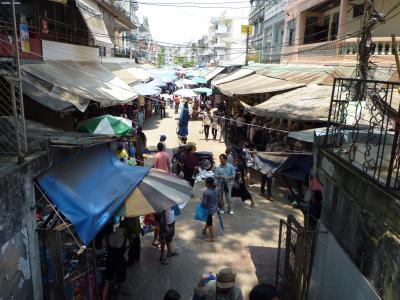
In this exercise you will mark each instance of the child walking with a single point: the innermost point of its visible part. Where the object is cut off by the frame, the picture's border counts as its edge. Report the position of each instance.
(210, 200)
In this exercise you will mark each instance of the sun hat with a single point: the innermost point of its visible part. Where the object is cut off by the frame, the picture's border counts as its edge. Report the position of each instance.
(226, 278)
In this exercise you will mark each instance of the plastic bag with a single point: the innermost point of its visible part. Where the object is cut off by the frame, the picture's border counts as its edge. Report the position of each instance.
(201, 213)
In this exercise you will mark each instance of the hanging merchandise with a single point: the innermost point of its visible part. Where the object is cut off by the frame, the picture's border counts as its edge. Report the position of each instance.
(24, 35)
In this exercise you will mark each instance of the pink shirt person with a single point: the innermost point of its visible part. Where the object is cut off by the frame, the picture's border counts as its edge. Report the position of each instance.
(161, 159)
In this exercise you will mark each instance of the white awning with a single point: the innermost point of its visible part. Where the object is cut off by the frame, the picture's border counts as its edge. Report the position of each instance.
(140, 73)
(214, 72)
(256, 84)
(75, 84)
(122, 73)
(234, 76)
(93, 18)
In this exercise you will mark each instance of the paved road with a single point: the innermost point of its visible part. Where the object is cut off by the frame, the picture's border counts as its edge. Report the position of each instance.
(248, 244)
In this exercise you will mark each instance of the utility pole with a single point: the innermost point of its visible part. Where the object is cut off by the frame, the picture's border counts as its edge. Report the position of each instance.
(247, 45)
(364, 46)
(396, 54)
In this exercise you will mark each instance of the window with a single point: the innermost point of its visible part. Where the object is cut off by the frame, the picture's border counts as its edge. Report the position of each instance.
(291, 32)
(358, 10)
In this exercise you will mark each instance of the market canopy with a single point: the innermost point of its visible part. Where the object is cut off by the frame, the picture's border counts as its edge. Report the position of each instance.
(64, 84)
(185, 83)
(89, 187)
(214, 72)
(310, 103)
(256, 84)
(140, 73)
(93, 18)
(199, 80)
(234, 76)
(146, 89)
(202, 90)
(122, 73)
(186, 93)
(307, 74)
(294, 165)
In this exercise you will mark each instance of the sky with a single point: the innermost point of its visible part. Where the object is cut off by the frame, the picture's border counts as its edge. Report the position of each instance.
(174, 24)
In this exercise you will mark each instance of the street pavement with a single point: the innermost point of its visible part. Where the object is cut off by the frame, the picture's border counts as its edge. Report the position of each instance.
(248, 244)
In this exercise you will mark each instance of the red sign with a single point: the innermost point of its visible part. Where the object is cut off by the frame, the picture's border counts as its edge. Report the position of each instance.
(45, 26)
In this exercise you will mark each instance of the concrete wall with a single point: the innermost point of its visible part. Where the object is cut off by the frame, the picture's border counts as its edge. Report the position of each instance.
(20, 273)
(334, 275)
(364, 219)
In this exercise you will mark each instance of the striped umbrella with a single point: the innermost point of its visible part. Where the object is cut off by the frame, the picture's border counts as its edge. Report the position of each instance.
(106, 124)
(158, 191)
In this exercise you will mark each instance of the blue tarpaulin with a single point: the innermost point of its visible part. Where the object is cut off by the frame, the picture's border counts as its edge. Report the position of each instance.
(89, 188)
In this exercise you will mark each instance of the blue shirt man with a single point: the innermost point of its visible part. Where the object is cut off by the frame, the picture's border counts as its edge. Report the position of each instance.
(225, 175)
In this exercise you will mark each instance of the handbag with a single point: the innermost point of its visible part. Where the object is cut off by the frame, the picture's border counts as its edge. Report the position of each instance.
(201, 213)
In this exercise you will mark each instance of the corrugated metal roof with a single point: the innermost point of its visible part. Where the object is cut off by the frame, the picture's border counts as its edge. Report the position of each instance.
(256, 84)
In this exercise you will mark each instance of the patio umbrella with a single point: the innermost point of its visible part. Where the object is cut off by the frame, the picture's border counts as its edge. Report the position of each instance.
(106, 124)
(184, 121)
(146, 89)
(186, 93)
(199, 80)
(157, 191)
(202, 90)
(185, 83)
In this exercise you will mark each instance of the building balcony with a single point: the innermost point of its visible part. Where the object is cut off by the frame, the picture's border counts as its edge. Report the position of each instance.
(345, 51)
(271, 11)
(119, 12)
(258, 10)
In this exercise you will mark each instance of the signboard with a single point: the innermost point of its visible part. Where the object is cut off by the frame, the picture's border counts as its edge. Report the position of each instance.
(247, 29)
(24, 37)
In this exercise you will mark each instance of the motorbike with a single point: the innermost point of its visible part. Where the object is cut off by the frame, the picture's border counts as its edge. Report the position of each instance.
(206, 158)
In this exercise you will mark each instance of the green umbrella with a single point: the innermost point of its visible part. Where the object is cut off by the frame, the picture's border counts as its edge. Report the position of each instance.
(106, 124)
(202, 90)
(199, 80)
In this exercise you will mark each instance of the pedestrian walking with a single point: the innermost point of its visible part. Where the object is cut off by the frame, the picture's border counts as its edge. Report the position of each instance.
(225, 175)
(162, 108)
(117, 245)
(161, 159)
(132, 228)
(167, 233)
(141, 144)
(190, 164)
(214, 127)
(266, 179)
(206, 123)
(210, 200)
(239, 188)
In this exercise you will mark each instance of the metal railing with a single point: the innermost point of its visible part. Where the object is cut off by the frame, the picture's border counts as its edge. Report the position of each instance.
(12, 119)
(363, 127)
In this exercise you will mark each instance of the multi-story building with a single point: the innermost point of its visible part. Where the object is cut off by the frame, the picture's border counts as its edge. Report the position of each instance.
(144, 42)
(203, 54)
(322, 31)
(226, 42)
(268, 20)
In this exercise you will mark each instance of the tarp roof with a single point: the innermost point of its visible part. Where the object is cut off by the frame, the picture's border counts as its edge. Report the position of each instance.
(89, 188)
(122, 73)
(140, 73)
(234, 76)
(256, 84)
(214, 72)
(67, 84)
(306, 74)
(93, 18)
(310, 103)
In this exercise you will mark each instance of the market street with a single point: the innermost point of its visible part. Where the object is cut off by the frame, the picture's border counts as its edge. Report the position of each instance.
(248, 244)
